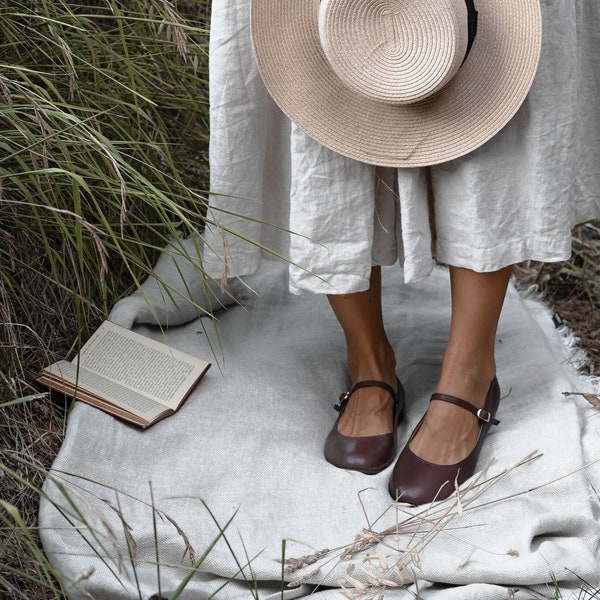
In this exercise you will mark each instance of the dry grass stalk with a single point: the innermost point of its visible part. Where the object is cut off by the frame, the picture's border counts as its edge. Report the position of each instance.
(397, 549)
(593, 399)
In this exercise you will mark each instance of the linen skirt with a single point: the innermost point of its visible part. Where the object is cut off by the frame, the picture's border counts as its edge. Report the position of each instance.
(275, 192)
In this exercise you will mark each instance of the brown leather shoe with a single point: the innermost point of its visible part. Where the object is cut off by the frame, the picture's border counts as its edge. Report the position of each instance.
(368, 454)
(417, 481)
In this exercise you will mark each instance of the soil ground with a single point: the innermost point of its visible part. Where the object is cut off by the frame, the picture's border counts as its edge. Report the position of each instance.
(572, 289)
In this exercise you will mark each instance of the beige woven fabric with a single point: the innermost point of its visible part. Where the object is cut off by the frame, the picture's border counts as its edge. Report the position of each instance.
(249, 443)
(514, 198)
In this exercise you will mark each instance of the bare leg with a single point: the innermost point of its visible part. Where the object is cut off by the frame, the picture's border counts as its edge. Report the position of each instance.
(449, 433)
(370, 356)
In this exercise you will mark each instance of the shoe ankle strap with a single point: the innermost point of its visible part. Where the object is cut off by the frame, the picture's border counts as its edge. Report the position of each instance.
(365, 383)
(480, 413)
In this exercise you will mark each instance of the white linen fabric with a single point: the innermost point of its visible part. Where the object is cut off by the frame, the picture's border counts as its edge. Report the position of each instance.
(125, 507)
(515, 198)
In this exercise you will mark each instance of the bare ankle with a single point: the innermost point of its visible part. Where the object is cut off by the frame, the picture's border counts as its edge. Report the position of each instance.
(468, 379)
(368, 362)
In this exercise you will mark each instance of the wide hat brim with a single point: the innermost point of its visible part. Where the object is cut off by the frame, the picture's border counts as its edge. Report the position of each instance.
(477, 103)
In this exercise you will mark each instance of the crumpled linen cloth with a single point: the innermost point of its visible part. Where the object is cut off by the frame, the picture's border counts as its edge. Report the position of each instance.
(247, 446)
(516, 198)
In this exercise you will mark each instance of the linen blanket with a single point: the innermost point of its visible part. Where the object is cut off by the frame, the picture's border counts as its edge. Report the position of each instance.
(231, 496)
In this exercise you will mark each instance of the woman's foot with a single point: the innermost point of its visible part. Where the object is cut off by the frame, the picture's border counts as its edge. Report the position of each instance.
(370, 357)
(369, 410)
(367, 453)
(445, 445)
(448, 433)
(364, 436)
(417, 480)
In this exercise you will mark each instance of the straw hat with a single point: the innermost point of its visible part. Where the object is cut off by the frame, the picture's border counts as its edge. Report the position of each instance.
(397, 82)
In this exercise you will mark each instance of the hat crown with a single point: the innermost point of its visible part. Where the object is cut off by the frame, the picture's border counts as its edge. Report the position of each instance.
(394, 51)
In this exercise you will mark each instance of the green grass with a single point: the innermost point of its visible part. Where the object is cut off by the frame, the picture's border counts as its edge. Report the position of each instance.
(104, 121)
(103, 145)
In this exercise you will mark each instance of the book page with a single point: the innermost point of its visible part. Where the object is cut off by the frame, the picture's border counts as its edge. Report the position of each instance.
(97, 390)
(140, 364)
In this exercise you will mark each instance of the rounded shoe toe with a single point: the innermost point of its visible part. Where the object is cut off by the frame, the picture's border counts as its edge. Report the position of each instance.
(369, 454)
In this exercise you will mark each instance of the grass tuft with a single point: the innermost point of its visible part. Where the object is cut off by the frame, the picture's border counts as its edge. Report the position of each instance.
(104, 120)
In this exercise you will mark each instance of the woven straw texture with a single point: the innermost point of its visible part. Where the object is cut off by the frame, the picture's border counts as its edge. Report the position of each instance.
(471, 108)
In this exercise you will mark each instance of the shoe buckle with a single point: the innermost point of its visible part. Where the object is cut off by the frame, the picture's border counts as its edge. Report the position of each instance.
(484, 415)
(343, 399)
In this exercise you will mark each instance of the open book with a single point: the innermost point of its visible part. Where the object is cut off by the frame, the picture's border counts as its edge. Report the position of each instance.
(128, 375)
